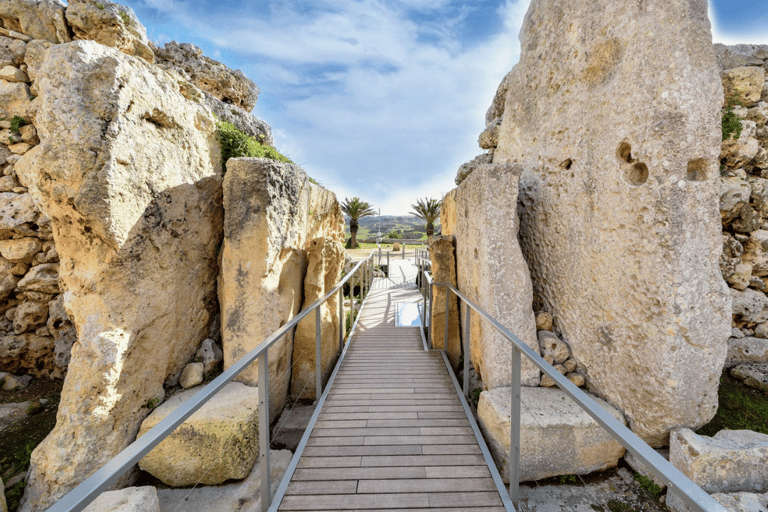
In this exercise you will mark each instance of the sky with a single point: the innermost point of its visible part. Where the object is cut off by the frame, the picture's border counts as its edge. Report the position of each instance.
(379, 99)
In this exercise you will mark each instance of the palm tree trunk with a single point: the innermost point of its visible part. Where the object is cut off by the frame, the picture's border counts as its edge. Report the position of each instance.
(430, 229)
(353, 239)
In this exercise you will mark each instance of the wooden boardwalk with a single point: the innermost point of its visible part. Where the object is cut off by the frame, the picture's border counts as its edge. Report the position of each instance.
(392, 434)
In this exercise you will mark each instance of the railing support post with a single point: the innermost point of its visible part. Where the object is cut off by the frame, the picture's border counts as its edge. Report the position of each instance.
(379, 255)
(318, 356)
(429, 318)
(403, 250)
(266, 492)
(447, 317)
(514, 440)
(389, 267)
(467, 333)
(342, 320)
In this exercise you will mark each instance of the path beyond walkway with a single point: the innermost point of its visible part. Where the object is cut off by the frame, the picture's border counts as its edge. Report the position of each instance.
(392, 434)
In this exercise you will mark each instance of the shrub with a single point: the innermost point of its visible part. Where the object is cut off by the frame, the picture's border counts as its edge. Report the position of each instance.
(731, 122)
(234, 144)
(17, 122)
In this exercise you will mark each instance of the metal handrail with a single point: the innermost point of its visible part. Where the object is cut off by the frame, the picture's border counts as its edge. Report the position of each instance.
(693, 495)
(82, 495)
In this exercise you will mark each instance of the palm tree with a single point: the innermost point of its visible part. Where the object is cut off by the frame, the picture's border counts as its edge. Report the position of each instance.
(429, 210)
(356, 209)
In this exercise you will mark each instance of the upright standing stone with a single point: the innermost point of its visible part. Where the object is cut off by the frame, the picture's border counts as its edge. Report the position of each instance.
(271, 211)
(127, 170)
(441, 254)
(613, 113)
(492, 272)
(325, 260)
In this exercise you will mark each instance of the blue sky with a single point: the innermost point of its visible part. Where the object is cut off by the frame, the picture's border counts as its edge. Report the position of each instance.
(381, 99)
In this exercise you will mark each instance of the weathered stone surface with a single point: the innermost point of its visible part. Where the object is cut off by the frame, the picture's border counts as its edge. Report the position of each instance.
(740, 152)
(13, 74)
(14, 382)
(41, 278)
(38, 19)
(754, 375)
(743, 501)
(29, 315)
(209, 354)
(192, 375)
(131, 499)
(271, 212)
(217, 443)
(11, 51)
(618, 212)
(746, 350)
(16, 100)
(492, 272)
(442, 255)
(469, 167)
(744, 84)
(10, 413)
(62, 330)
(244, 496)
(544, 321)
(136, 207)
(35, 53)
(110, 24)
(325, 259)
(749, 306)
(209, 75)
(582, 446)
(551, 345)
(243, 120)
(18, 215)
(20, 250)
(740, 55)
(729, 461)
(27, 353)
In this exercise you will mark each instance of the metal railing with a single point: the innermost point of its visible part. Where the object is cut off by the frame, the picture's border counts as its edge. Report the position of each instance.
(79, 498)
(695, 497)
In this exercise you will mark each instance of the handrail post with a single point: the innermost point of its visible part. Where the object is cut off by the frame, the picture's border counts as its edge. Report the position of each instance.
(266, 492)
(318, 356)
(379, 255)
(514, 434)
(342, 320)
(431, 315)
(467, 333)
(403, 250)
(447, 317)
(388, 265)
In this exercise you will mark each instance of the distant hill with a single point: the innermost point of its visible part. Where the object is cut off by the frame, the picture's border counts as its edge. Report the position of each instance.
(409, 225)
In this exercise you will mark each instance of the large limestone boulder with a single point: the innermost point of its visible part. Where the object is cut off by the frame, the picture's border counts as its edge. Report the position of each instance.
(110, 24)
(557, 437)
(242, 496)
(209, 75)
(325, 259)
(131, 499)
(443, 258)
(135, 202)
(746, 350)
(619, 212)
(11, 51)
(743, 501)
(271, 211)
(217, 443)
(729, 461)
(244, 121)
(18, 214)
(27, 353)
(754, 375)
(744, 84)
(492, 272)
(741, 55)
(38, 19)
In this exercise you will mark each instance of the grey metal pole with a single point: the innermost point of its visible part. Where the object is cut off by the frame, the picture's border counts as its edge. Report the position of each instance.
(318, 356)
(266, 494)
(403, 250)
(429, 319)
(389, 268)
(514, 440)
(447, 316)
(342, 320)
(467, 333)
(379, 255)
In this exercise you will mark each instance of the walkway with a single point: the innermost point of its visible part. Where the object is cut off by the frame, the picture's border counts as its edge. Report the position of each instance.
(392, 434)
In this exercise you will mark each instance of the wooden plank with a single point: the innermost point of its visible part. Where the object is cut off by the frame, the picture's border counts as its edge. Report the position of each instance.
(323, 487)
(355, 502)
(392, 473)
(330, 462)
(343, 451)
(421, 440)
(422, 460)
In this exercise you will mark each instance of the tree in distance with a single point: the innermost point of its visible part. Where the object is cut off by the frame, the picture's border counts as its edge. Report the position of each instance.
(355, 209)
(429, 210)
(394, 234)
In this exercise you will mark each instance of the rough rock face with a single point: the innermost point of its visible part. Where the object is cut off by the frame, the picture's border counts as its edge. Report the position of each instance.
(209, 75)
(730, 461)
(618, 212)
(244, 121)
(135, 202)
(557, 437)
(441, 253)
(492, 272)
(325, 259)
(272, 210)
(220, 441)
(38, 19)
(110, 24)
(740, 55)
(132, 499)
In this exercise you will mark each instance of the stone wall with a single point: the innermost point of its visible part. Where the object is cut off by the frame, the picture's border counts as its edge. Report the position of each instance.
(744, 186)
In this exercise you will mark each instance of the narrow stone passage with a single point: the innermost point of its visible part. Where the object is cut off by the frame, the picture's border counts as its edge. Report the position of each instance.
(392, 434)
